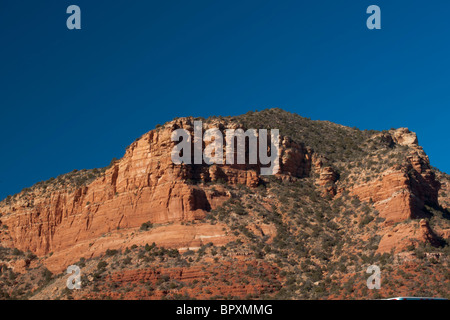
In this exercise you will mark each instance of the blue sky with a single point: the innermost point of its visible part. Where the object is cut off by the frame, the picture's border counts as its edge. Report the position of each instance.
(74, 99)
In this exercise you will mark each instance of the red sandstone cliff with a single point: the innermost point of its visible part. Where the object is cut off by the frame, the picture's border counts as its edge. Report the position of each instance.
(65, 225)
(143, 186)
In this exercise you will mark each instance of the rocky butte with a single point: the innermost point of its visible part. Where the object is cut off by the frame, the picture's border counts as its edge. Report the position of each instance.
(343, 198)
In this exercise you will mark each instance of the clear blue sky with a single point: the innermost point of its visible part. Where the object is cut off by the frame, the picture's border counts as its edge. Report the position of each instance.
(75, 99)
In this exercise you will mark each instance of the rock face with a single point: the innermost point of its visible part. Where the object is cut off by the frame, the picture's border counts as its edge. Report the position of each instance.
(145, 185)
(189, 275)
(404, 137)
(327, 178)
(401, 237)
(357, 193)
(444, 192)
(400, 193)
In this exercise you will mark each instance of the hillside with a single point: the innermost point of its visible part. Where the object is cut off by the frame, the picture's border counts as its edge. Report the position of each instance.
(144, 228)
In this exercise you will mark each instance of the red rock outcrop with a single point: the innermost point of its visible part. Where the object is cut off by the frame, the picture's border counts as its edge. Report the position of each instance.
(404, 137)
(400, 193)
(229, 284)
(327, 176)
(390, 194)
(402, 236)
(145, 185)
